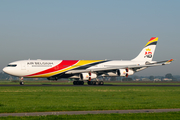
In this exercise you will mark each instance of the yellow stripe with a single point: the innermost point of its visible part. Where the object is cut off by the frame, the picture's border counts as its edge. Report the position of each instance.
(80, 63)
(155, 40)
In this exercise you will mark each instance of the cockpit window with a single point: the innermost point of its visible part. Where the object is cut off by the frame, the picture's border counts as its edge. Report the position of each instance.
(13, 65)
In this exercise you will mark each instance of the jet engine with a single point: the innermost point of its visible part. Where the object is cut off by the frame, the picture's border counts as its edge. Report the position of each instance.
(120, 72)
(87, 76)
(125, 72)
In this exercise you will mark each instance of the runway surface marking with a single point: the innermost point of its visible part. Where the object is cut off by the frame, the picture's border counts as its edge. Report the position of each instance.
(88, 112)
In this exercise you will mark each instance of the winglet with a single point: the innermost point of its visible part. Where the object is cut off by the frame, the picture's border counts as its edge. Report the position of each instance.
(169, 61)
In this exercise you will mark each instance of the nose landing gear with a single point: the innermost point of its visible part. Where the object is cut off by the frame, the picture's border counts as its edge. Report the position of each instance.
(21, 81)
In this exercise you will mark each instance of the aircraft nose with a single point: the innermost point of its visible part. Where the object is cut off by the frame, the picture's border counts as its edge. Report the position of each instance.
(11, 71)
(5, 70)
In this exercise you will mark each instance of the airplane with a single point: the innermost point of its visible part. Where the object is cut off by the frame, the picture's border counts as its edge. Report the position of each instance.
(85, 70)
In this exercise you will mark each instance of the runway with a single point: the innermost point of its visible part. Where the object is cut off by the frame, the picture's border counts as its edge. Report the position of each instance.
(88, 112)
(50, 85)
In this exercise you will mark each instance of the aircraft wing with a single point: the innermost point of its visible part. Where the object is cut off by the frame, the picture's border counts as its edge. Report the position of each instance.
(134, 67)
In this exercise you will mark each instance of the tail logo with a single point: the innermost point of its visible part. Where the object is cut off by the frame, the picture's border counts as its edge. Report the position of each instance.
(148, 53)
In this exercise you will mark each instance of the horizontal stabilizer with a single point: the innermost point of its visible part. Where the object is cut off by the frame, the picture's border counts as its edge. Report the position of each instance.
(169, 61)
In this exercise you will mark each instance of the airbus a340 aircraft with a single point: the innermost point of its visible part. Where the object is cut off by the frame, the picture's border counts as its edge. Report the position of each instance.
(85, 70)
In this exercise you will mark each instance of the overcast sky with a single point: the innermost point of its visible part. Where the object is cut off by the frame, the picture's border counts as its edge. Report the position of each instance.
(94, 29)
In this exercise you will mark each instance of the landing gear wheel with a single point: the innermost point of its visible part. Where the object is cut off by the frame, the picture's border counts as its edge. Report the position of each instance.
(74, 82)
(89, 83)
(97, 82)
(101, 83)
(94, 82)
(21, 83)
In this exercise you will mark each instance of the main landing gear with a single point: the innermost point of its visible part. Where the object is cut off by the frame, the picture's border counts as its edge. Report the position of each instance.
(21, 81)
(89, 83)
(95, 83)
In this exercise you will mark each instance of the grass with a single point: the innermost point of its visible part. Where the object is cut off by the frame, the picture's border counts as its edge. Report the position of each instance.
(14, 99)
(130, 116)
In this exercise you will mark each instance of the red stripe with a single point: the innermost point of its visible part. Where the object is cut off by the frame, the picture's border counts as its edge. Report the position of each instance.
(170, 60)
(152, 38)
(60, 66)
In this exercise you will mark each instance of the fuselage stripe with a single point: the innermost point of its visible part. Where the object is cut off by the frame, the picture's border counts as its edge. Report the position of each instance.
(71, 64)
(64, 64)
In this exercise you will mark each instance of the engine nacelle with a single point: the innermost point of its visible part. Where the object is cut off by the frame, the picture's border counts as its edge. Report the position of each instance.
(87, 76)
(120, 72)
(93, 76)
(125, 72)
(84, 76)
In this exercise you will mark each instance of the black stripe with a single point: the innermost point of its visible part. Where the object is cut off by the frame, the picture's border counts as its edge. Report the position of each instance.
(63, 75)
(153, 43)
(89, 65)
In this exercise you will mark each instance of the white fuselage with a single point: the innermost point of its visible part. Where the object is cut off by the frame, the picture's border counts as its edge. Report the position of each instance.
(26, 68)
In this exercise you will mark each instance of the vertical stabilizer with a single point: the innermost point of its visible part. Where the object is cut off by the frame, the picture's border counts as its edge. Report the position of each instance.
(147, 52)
